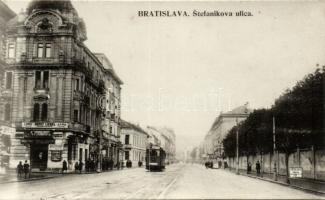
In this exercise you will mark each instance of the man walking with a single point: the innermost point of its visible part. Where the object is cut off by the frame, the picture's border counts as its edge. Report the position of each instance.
(26, 169)
(258, 168)
(20, 169)
(64, 166)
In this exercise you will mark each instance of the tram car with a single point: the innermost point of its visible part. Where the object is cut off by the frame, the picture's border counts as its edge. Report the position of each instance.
(155, 158)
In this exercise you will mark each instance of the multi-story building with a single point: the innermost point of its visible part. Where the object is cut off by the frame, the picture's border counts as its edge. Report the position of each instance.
(212, 144)
(135, 140)
(169, 138)
(112, 148)
(56, 89)
(5, 130)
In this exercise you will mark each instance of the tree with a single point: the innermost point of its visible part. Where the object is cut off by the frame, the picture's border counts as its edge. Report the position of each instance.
(299, 115)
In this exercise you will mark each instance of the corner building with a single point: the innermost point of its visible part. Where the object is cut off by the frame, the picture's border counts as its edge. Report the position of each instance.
(56, 89)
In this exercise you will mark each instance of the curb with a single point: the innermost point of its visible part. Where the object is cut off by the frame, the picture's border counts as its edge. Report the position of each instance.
(58, 175)
(27, 180)
(285, 184)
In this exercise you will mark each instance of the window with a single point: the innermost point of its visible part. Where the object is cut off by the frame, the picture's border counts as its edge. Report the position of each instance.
(44, 50)
(44, 112)
(38, 79)
(76, 115)
(86, 154)
(40, 47)
(48, 50)
(36, 112)
(74, 152)
(127, 138)
(76, 85)
(127, 155)
(45, 79)
(40, 112)
(8, 80)
(42, 79)
(7, 112)
(11, 50)
(80, 154)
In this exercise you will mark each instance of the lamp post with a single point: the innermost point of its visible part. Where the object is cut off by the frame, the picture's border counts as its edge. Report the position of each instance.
(275, 173)
(237, 148)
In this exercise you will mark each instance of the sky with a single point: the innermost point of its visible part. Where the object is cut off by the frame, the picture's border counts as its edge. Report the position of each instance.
(181, 72)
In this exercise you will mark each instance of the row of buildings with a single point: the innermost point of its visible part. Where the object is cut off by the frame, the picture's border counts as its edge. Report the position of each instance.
(59, 100)
(136, 139)
(211, 147)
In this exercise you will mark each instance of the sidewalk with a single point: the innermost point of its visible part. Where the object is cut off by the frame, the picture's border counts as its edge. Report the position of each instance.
(11, 176)
(305, 184)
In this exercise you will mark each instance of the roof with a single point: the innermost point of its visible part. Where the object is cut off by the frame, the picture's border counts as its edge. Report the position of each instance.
(129, 125)
(61, 5)
(240, 111)
(106, 63)
(5, 11)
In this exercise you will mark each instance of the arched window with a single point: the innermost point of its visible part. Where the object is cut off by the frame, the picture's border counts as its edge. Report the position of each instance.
(36, 112)
(7, 112)
(44, 111)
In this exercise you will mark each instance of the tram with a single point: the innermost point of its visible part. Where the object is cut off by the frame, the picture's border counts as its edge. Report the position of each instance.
(155, 158)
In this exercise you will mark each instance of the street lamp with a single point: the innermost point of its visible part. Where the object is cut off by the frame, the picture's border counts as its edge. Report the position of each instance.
(237, 149)
(275, 173)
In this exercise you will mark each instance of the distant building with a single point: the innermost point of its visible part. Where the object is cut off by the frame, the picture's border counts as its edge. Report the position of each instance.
(165, 138)
(212, 144)
(134, 140)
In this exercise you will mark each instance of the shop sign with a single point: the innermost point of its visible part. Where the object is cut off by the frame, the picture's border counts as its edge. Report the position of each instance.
(36, 141)
(55, 147)
(295, 172)
(19, 135)
(56, 155)
(38, 134)
(50, 125)
(58, 135)
(6, 130)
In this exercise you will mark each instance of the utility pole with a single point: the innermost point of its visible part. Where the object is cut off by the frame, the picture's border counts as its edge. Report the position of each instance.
(237, 148)
(275, 173)
(99, 168)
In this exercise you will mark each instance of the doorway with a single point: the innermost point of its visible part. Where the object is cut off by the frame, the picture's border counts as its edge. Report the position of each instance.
(38, 156)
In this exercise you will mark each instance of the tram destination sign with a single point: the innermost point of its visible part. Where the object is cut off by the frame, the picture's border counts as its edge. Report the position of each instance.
(49, 125)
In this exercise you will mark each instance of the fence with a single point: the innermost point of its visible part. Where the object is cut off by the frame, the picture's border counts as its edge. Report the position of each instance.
(311, 161)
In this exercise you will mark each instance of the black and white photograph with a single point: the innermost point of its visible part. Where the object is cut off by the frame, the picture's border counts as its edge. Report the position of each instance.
(158, 99)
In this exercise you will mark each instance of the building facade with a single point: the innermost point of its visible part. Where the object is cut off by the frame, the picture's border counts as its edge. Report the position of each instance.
(56, 89)
(212, 146)
(5, 130)
(135, 141)
(165, 138)
(111, 146)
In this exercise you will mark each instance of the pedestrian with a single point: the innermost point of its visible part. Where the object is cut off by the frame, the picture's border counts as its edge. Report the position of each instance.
(87, 165)
(225, 164)
(76, 167)
(258, 168)
(80, 166)
(20, 169)
(64, 166)
(26, 169)
(249, 168)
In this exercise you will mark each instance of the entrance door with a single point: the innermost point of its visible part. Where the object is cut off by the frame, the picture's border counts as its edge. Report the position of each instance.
(38, 156)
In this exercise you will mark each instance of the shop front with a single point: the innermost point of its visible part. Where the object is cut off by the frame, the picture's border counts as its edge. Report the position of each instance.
(38, 143)
(46, 145)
